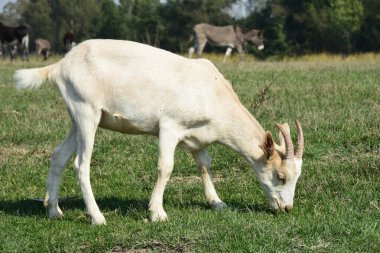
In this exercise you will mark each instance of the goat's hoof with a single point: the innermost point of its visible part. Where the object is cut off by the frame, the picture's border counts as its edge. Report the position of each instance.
(159, 216)
(218, 205)
(55, 213)
(100, 220)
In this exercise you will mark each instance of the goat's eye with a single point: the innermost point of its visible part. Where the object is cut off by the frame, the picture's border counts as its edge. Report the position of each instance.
(281, 177)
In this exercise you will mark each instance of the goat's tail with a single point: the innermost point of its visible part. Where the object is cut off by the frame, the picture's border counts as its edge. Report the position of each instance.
(33, 78)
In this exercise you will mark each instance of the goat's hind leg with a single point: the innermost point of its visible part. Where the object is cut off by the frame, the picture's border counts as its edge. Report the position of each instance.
(59, 159)
(87, 121)
(167, 145)
(204, 165)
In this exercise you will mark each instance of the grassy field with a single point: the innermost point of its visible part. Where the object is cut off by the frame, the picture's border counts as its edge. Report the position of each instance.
(337, 203)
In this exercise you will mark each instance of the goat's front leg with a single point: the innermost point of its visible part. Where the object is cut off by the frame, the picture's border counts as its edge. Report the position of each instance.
(227, 54)
(204, 165)
(86, 134)
(59, 159)
(167, 145)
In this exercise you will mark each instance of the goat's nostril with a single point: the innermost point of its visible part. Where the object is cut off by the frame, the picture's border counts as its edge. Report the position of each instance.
(288, 207)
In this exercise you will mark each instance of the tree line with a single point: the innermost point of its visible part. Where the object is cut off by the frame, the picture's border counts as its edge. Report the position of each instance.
(292, 27)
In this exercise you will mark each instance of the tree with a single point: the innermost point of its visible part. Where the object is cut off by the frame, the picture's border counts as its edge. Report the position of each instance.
(142, 20)
(110, 23)
(368, 36)
(296, 27)
(37, 15)
(291, 26)
(336, 21)
(77, 16)
(12, 14)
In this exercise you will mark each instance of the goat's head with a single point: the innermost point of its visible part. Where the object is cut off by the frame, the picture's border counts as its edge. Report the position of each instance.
(256, 37)
(280, 167)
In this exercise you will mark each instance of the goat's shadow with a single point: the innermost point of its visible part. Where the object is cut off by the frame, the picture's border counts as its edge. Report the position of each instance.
(35, 207)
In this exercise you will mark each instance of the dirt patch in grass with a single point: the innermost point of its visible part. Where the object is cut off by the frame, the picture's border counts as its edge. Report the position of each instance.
(8, 112)
(13, 150)
(21, 150)
(194, 179)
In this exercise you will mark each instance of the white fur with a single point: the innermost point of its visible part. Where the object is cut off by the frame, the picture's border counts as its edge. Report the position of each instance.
(28, 79)
(25, 42)
(31, 78)
(134, 88)
(191, 52)
(227, 54)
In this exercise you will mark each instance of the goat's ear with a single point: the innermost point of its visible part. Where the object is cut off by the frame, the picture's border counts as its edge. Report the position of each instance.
(268, 145)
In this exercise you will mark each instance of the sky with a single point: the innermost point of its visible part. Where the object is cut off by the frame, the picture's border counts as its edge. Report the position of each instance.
(3, 2)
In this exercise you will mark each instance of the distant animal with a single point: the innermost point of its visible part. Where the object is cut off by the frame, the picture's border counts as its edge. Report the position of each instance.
(69, 41)
(43, 47)
(184, 102)
(225, 36)
(12, 37)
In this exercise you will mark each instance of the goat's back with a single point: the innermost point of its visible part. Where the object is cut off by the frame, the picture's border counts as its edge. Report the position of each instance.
(120, 73)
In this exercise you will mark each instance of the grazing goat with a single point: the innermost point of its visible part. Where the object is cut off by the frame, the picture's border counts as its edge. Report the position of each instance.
(225, 36)
(43, 47)
(138, 89)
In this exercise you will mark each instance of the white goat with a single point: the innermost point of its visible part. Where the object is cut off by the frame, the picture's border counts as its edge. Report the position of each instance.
(138, 89)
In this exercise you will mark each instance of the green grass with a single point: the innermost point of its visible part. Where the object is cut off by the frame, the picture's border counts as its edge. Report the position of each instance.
(337, 203)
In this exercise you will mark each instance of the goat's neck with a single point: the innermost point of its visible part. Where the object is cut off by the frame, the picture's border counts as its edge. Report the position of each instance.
(244, 135)
(246, 35)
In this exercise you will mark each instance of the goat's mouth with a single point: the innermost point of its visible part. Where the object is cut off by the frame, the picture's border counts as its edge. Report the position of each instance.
(279, 208)
(278, 205)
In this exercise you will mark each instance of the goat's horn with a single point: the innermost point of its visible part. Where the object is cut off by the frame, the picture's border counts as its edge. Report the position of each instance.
(300, 143)
(289, 154)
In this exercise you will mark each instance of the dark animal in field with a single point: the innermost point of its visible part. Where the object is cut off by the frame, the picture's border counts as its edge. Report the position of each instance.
(11, 37)
(225, 36)
(43, 48)
(69, 41)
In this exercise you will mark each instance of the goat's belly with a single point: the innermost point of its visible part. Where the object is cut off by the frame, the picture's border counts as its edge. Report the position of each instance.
(195, 140)
(117, 122)
(191, 144)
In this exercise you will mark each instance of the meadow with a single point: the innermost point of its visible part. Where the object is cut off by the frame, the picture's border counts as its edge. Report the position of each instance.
(337, 203)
